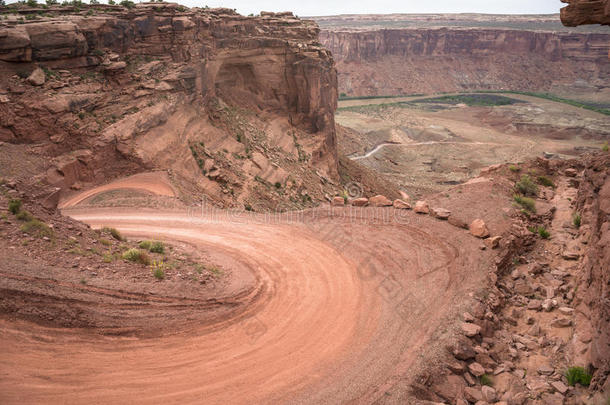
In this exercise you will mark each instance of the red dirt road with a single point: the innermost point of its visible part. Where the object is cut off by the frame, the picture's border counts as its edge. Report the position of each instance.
(343, 307)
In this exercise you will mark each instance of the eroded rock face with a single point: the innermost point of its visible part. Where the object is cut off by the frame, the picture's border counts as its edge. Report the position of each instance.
(385, 62)
(594, 204)
(579, 12)
(148, 83)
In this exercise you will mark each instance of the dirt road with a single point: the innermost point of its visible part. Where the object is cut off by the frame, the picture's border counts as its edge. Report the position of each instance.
(344, 304)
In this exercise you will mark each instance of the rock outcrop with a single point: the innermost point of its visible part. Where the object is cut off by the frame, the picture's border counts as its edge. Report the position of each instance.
(579, 12)
(207, 93)
(593, 308)
(427, 60)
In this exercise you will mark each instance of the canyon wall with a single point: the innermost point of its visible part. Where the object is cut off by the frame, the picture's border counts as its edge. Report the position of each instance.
(579, 12)
(146, 84)
(426, 60)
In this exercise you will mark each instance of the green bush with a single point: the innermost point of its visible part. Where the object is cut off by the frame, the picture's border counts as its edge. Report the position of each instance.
(24, 216)
(158, 269)
(543, 233)
(36, 227)
(526, 186)
(152, 246)
(127, 4)
(514, 168)
(114, 233)
(14, 206)
(157, 247)
(136, 256)
(578, 375)
(527, 203)
(545, 181)
(486, 380)
(576, 219)
(605, 146)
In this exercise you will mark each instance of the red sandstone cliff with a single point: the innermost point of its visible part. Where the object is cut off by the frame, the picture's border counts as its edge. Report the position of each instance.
(580, 12)
(207, 93)
(403, 61)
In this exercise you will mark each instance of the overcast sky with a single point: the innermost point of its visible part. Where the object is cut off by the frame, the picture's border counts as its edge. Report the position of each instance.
(330, 7)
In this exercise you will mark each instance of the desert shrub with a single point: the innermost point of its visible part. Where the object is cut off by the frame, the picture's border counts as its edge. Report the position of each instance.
(514, 168)
(152, 246)
(158, 269)
(526, 186)
(543, 233)
(127, 4)
(527, 203)
(136, 256)
(486, 380)
(215, 270)
(105, 242)
(32, 3)
(114, 233)
(605, 146)
(14, 206)
(157, 247)
(576, 219)
(578, 375)
(36, 227)
(108, 257)
(545, 181)
(24, 216)
(278, 184)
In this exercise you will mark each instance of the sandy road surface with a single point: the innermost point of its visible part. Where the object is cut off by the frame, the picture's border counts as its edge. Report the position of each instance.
(153, 182)
(344, 306)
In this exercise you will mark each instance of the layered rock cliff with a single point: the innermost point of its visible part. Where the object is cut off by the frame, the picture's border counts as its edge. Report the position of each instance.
(579, 12)
(425, 60)
(207, 93)
(593, 307)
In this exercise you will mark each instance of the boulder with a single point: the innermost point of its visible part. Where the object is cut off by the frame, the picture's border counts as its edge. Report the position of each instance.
(401, 205)
(489, 394)
(476, 369)
(470, 329)
(380, 201)
(360, 202)
(421, 207)
(37, 77)
(338, 202)
(463, 351)
(478, 228)
(440, 213)
(561, 322)
(458, 222)
(115, 67)
(559, 387)
(473, 394)
(493, 242)
(545, 369)
(571, 172)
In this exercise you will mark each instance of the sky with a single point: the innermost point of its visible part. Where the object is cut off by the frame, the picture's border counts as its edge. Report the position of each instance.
(331, 7)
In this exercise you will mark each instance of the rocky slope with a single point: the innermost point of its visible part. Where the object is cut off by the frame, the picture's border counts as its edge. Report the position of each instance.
(426, 60)
(235, 107)
(580, 12)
